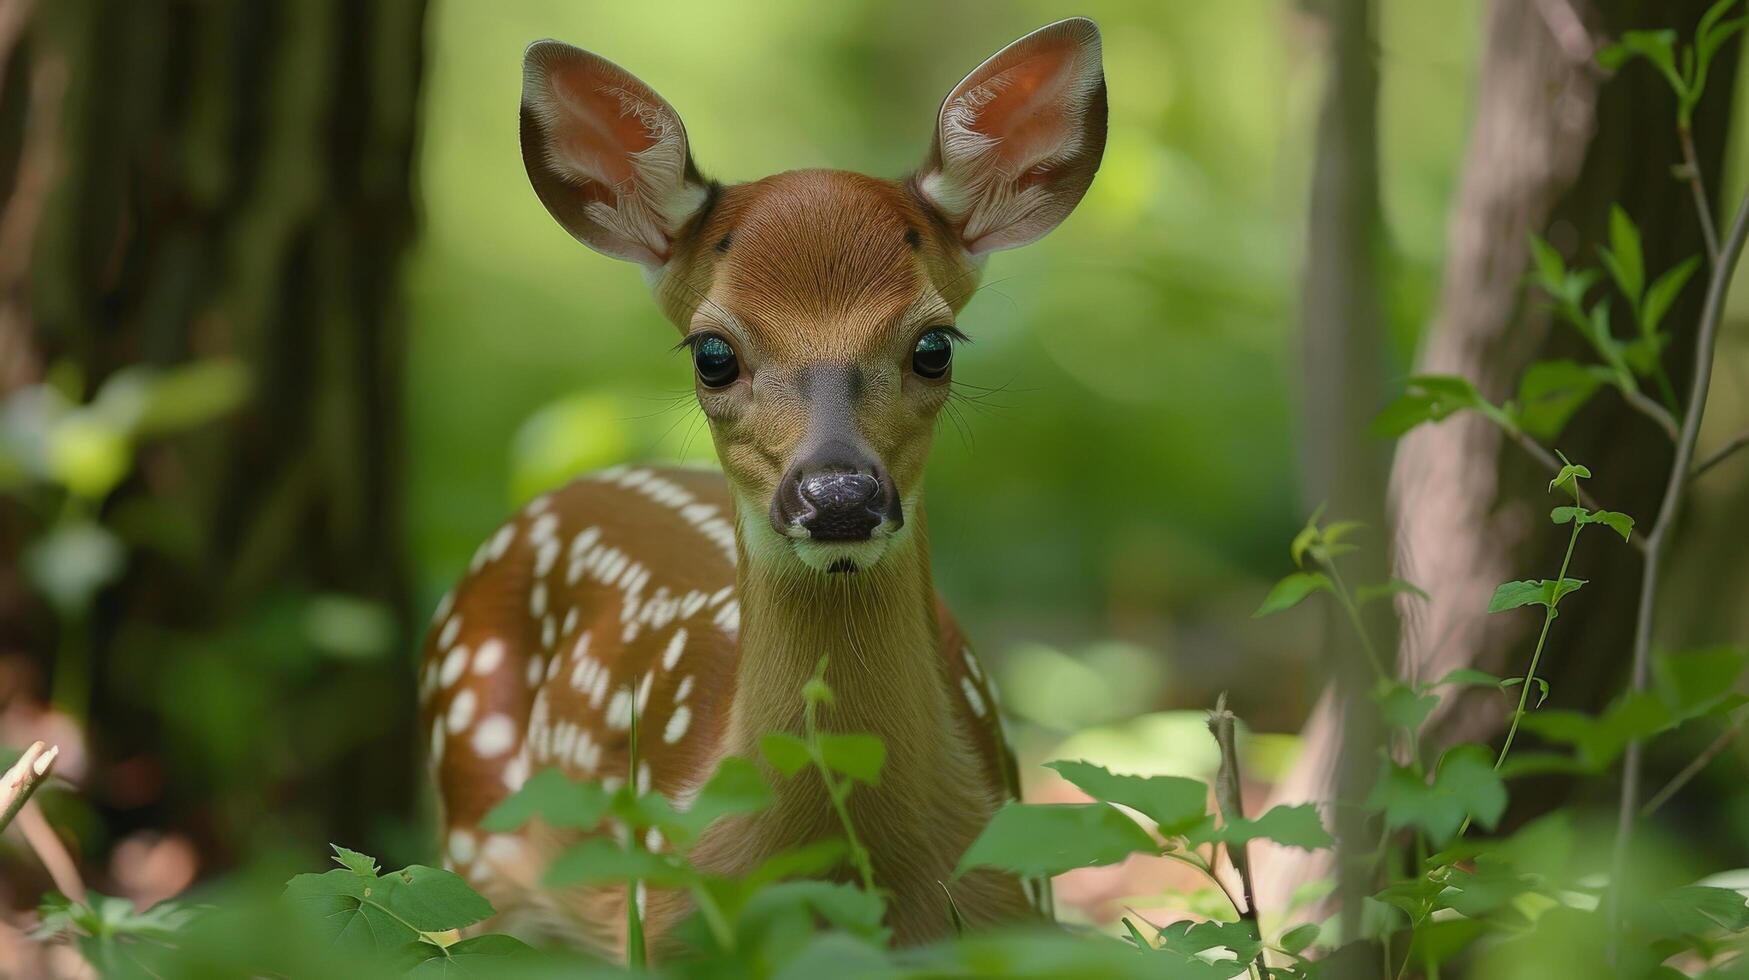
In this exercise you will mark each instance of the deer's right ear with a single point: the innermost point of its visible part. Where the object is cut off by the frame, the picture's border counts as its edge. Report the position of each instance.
(606, 154)
(1018, 141)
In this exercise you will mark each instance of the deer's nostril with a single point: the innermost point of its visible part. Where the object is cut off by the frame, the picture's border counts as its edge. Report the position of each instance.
(840, 491)
(842, 506)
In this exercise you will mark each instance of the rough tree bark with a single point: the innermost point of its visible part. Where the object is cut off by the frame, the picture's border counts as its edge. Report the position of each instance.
(1553, 144)
(187, 180)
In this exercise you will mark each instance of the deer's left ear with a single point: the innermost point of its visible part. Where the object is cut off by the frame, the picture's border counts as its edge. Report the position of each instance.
(1017, 143)
(606, 154)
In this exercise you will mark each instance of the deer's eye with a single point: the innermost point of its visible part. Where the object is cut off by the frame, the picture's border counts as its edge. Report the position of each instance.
(715, 361)
(933, 354)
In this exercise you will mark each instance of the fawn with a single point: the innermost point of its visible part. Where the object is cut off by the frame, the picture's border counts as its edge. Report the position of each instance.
(818, 309)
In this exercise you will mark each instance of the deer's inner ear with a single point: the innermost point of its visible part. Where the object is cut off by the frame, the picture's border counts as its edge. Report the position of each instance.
(607, 156)
(1018, 141)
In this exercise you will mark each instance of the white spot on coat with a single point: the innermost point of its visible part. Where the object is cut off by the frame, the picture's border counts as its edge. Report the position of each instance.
(545, 557)
(494, 736)
(619, 710)
(453, 665)
(461, 710)
(462, 846)
(516, 771)
(450, 629)
(677, 725)
(973, 698)
(489, 657)
(676, 647)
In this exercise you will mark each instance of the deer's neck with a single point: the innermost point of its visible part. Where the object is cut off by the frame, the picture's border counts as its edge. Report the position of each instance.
(878, 628)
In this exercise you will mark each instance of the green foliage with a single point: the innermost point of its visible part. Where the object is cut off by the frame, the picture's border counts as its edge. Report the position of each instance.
(1291, 591)
(1176, 804)
(365, 917)
(110, 934)
(1685, 67)
(1290, 826)
(1532, 592)
(1032, 839)
(1463, 787)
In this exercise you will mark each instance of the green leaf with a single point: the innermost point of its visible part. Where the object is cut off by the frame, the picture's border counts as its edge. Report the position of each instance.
(1465, 785)
(1537, 592)
(1569, 475)
(1600, 740)
(1663, 293)
(192, 395)
(1291, 591)
(359, 864)
(1033, 840)
(1699, 910)
(855, 755)
(1177, 804)
(1304, 540)
(1691, 684)
(486, 957)
(1657, 47)
(1623, 258)
(432, 899)
(1550, 393)
(735, 787)
(1297, 939)
(599, 860)
(1551, 269)
(811, 860)
(339, 905)
(786, 753)
(555, 798)
(1403, 707)
(1396, 586)
(1189, 940)
(1712, 33)
(1432, 398)
(844, 906)
(1290, 826)
(1542, 685)
(1616, 521)
(366, 916)
(1468, 677)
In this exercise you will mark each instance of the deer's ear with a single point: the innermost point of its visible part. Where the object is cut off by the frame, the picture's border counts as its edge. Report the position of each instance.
(606, 154)
(1017, 143)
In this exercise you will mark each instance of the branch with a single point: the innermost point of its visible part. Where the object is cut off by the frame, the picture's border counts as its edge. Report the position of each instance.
(41, 837)
(1712, 314)
(1702, 206)
(1553, 465)
(1653, 411)
(1229, 795)
(29, 772)
(1720, 455)
(1693, 769)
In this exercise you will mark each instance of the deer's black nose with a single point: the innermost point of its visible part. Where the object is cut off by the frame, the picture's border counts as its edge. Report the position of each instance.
(840, 506)
(837, 492)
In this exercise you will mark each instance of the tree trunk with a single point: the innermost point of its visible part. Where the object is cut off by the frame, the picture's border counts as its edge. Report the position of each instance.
(1553, 144)
(1343, 340)
(196, 180)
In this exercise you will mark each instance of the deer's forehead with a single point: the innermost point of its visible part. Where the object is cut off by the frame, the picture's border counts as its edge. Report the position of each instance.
(814, 260)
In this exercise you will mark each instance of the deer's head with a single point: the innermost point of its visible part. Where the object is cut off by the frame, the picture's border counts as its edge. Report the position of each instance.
(818, 305)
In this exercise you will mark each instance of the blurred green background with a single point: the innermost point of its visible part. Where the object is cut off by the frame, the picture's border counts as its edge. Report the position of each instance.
(220, 582)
